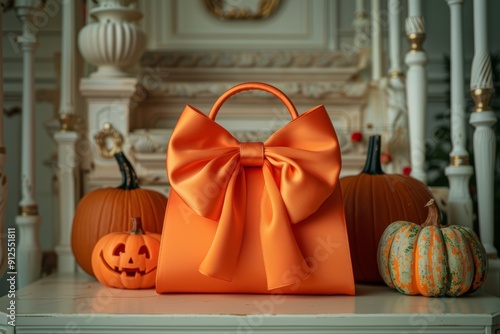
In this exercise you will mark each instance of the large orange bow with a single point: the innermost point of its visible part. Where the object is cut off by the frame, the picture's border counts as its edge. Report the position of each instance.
(300, 165)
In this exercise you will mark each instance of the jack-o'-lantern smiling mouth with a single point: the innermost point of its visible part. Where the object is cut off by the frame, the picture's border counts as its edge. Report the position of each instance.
(125, 272)
(130, 272)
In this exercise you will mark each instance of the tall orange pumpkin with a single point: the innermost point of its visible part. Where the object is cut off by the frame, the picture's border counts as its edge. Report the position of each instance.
(106, 210)
(372, 201)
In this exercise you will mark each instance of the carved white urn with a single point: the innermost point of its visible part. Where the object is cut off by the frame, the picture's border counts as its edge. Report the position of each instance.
(113, 43)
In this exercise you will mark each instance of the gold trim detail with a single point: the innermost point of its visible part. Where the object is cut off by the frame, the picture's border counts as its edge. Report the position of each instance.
(396, 74)
(459, 160)
(416, 41)
(67, 122)
(28, 210)
(225, 11)
(482, 98)
(361, 15)
(116, 140)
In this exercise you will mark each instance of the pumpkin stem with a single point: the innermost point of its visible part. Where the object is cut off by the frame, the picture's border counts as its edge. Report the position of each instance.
(136, 226)
(433, 217)
(372, 164)
(129, 177)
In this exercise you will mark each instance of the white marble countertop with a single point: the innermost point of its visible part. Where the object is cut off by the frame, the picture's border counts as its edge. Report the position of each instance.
(79, 304)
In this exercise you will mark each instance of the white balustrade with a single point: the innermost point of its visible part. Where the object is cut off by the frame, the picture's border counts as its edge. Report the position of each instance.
(29, 254)
(66, 140)
(376, 46)
(416, 89)
(361, 25)
(459, 171)
(397, 142)
(483, 118)
(394, 16)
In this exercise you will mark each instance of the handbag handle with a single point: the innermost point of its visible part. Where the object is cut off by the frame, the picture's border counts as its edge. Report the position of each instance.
(253, 86)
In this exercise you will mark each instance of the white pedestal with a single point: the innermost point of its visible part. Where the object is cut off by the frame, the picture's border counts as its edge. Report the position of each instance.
(28, 253)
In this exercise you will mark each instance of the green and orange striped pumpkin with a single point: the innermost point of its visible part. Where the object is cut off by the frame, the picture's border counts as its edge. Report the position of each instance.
(431, 259)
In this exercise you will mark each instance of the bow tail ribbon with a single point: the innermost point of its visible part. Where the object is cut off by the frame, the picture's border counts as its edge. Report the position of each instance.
(222, 257)
(283, 259)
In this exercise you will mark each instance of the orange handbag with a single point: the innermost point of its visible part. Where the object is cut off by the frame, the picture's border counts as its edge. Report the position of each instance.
(254, 217)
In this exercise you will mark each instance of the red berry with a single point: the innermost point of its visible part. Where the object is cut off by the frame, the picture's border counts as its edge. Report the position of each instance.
(356, 137)
(385, 158)
(407, 170)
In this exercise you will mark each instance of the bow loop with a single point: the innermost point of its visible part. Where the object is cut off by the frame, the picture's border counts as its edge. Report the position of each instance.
(300, 167)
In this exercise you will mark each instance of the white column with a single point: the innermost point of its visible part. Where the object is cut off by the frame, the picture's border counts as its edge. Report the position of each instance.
(360, 6)
(459, 171)
(416, 89)
(66, 170)
(376, 41)
(394, 8)
(66, 139)
(3, 161)
(361, 26)
(334, 25)
(483, 118)
(397, 139)
(29, 254)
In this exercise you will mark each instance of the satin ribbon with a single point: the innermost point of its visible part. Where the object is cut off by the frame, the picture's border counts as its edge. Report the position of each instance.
(300, 164)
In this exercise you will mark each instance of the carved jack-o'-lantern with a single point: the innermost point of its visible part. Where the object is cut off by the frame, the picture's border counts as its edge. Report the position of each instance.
(127, 260)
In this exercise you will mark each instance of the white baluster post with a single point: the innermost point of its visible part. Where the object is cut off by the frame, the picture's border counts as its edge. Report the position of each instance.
(66, 139)
(376, 41)
(483, 118)
(361, 26)
(416, 88)
(29, 254)
(3, 161)
(394, 8)
(334, 25)
(398, 134)
(459, 171)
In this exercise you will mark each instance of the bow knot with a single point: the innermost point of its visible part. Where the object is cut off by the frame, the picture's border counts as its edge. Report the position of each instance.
(252, 154)
(300, 166)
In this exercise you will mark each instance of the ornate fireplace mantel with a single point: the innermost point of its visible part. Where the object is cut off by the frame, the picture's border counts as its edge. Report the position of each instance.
(169, 80)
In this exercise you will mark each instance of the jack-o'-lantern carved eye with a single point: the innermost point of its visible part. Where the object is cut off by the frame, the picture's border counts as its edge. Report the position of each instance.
(127, 260)
(120, 248)
(144, 250)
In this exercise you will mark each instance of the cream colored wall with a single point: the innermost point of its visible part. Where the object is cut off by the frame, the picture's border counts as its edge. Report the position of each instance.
(436, 45)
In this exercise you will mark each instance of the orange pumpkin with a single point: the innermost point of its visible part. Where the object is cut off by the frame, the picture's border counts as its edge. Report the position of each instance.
(431, 259)
(106, 210)
(127, 260)
(372, 200)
